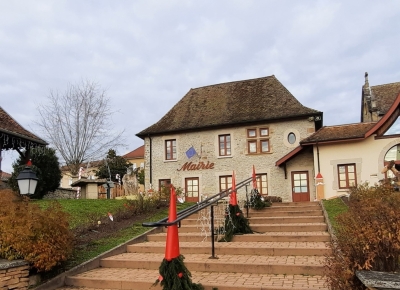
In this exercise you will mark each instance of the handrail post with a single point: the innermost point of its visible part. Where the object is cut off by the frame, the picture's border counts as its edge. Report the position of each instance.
(247, 204)
(212, 234)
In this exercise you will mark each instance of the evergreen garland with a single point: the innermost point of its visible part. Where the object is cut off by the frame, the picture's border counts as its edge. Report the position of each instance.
(175, 276)
(257, 201)
(235, 223)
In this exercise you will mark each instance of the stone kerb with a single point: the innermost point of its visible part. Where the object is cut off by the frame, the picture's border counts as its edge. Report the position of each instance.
(14, 275)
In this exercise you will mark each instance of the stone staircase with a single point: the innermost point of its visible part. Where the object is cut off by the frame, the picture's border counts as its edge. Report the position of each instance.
(287, 251)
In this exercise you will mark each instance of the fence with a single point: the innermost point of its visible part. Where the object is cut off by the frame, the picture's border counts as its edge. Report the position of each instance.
(116, 191)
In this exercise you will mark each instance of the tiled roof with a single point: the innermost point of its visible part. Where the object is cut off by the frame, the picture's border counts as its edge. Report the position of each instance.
(227, 104)
(135, 154)
(11, 128)
(4, 175)
(385, 95)
(340, 132)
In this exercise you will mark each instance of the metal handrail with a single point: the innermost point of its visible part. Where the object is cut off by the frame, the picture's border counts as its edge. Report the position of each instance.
(196, 207)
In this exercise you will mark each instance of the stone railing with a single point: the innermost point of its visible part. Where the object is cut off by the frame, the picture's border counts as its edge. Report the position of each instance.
(14, 275)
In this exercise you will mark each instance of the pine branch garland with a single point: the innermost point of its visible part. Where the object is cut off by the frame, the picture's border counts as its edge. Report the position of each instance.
(256, 200)
(175, 276)
(235, 223)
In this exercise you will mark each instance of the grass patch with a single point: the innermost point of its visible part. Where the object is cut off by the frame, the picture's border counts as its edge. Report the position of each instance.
(334, 207)
(85, 211)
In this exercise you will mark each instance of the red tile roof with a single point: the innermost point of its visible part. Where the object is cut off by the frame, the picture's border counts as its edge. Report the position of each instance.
(4, 175)
(339, 132)
(135, 154)
(10, 129)
(228, 104)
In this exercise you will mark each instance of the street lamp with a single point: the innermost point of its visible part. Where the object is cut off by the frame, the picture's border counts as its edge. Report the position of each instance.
(27, 180)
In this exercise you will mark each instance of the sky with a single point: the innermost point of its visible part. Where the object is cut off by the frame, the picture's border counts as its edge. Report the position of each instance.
(148, 54)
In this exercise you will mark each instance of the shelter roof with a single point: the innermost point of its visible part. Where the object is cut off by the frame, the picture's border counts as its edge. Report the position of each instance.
(14, 136)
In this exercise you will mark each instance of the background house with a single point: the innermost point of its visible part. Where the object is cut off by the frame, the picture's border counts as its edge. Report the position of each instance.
(215, 130)
(350, 154)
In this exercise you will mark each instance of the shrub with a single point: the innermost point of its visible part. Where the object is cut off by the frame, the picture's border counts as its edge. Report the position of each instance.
(39, 236)
(367, 236)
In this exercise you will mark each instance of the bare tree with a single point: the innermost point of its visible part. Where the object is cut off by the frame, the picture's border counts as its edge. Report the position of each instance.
(77, 123)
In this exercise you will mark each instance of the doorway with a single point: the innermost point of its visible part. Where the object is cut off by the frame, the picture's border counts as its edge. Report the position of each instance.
(192, 189)
(300, 186)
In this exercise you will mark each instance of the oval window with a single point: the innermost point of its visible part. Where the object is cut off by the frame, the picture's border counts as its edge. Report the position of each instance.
(291, 138)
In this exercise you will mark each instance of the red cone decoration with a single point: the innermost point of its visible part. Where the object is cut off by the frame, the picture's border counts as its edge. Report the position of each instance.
(173, 273)
(172, 246)
(254, 178)
(233, 198)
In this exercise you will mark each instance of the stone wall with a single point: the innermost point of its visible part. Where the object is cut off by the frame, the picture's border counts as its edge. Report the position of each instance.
(206, 145)
(14, 275)
(61, 193)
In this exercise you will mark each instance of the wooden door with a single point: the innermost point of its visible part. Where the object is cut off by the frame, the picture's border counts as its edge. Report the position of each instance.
(192, 189)
(300, 186)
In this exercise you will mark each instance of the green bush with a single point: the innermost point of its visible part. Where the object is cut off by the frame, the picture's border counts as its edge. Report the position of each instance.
(367, 236)
(39, 236)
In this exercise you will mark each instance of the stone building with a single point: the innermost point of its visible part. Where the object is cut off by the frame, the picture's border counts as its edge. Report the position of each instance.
(217, 129)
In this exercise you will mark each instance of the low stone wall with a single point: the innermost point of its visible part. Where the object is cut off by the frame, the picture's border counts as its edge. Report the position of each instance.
(14, 275)
(61, 193)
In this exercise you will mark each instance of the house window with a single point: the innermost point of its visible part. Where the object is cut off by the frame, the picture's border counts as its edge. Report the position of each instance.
(252, 145)
(164, 184)
(264, 145)
(291, 138)
(251, 133)
(258, 143)
(170, 149)
(264, 132)
(225, 182)
(224, 145)
(347, 175)
(262, 183)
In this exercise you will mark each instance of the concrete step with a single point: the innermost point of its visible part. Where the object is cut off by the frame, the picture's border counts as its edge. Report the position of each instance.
(285, 213)
(271, 219)
(295, 227)
(242, 248)
(285, 208)
(264, 237)
(291, 265)
(286, 220)
(141, 279)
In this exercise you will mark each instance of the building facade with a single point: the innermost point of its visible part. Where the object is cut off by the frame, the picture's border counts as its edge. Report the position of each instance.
(348, 155)
(216, 130)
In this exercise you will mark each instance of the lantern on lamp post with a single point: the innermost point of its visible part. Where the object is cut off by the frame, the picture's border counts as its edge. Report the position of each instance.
(27, 180)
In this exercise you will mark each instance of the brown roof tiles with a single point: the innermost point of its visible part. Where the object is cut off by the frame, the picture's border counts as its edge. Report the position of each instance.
(233, 103)
(10, 128)
(385, 95)
(339, 132)
(135, 154)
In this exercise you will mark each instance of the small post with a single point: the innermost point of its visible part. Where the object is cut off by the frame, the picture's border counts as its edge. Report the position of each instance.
(247, 204)
(212, 234)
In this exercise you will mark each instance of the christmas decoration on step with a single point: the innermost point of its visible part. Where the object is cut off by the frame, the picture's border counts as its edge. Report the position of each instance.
(235, 221)
(173, 273)
(257, 201)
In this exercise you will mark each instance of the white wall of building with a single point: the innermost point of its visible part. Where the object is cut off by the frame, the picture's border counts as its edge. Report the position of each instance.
(368, 155)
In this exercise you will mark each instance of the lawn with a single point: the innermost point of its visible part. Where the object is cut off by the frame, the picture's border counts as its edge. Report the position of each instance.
(334, 207)
(124, 227)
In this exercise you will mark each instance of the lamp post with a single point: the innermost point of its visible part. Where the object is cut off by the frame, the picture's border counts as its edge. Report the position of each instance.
(27, 180)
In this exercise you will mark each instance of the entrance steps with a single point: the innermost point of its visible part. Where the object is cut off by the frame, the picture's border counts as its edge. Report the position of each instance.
(281, 255)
